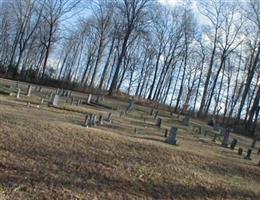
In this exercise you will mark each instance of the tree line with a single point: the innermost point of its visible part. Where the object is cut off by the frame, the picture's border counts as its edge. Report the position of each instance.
(205, 59)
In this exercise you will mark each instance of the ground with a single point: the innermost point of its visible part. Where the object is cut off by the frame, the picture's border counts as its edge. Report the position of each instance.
(46, 153)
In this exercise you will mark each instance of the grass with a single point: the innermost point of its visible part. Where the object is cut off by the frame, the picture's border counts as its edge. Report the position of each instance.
(46, 153)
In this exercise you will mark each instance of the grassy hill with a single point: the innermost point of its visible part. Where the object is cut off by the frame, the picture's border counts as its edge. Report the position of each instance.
(46, 153)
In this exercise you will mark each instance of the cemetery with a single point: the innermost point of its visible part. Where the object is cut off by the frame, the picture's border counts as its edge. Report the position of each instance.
(63, 144)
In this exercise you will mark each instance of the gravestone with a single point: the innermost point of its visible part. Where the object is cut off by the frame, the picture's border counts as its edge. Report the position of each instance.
(240, 151)
(166, 133)
(185, 121)
(257, 137)
(87, 121)
(94, 120)
(42, 100)
(233, 144)
(152, 112)
(78, 102)
(17, 84)
(258, 163)
(156, 114)
(58, 91)
(171, 139)
(55, 100)
(72, 100)
(130, 106)
(258, 152)
(159, 122)
(122, 113)
(89, 99)
(29, 90)
(135, 130)
(226, 138)
(145, 125)
(109, 117)
(248, 155)
(18, 93)
(100, 120)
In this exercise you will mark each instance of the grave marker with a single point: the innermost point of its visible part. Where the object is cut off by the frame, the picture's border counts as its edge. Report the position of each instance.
(55, 100)
(166, 133)
(87, 121)
(159, 122)
(130, 106)
(233, 144)
(109, 117)
(172, 136)
(29, 90)
(248, 155)
(258, 152)
(89, 99)
(226, 138)
(101, 120)
(240, 151)
(18, 93)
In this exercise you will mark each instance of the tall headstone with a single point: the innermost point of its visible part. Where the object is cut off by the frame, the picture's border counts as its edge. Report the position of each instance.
(72, 100)
(29, 90)
(78, 102)
(130, 106)
(94, 120)
(171, 139)
(156, 114)
(159, 122)
(185, 121)
(89, 99)
(225, 141)
(109, 117)
(248, 155)
(100, 120)
(55, 100)
(166, 133)
(258, 152)
(255, 140)
(233, 144)
(18, 93)
(240, 151)
(87, 121)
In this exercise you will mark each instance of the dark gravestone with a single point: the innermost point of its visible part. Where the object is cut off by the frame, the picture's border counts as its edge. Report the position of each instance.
(100, 120)
(152, 112)
(171, 139)
(135, 130)
(257, 137)
(233, 144)
(159, 122)
(130, 106)
(240, 151)
(258, 152)
(166, 133)
(258, 163)
(185, 121)
(248, 155)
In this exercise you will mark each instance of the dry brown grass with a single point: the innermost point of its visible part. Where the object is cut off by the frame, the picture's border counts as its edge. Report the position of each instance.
(45, 153)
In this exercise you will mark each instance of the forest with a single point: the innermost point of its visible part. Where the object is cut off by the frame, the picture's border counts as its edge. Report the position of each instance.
(200, 55)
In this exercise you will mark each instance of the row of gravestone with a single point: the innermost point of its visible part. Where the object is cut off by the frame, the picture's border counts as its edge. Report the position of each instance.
(91, 120)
